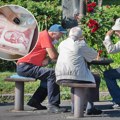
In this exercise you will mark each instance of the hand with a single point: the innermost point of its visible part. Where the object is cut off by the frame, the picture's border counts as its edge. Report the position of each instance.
(9, 14)
(45, 62)
(117, 33)
(109, 33)
(99, 54)
(98, 57)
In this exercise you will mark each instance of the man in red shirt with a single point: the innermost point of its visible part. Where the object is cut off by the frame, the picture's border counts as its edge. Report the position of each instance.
(32, 65)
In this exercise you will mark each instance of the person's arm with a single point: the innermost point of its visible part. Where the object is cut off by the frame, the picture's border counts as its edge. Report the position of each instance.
(88, 53)
(52, 53)
(10, 15)
(110, 47)
(52, 56)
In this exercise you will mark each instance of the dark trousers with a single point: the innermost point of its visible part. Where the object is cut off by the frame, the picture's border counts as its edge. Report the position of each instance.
(111, 78)
(94, 92)
(48, 82)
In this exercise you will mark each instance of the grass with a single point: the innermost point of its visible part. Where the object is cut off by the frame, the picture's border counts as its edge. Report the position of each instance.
(8, 87)
(30, 87)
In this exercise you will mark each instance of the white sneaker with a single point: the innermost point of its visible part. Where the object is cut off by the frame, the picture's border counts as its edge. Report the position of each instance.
(116, 106)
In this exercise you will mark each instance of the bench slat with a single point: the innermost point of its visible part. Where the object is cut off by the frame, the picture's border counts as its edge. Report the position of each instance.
(89, 85)
(18, 78)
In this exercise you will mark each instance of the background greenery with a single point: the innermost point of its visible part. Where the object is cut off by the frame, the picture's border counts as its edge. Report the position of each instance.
(105, 17)
(48, 12)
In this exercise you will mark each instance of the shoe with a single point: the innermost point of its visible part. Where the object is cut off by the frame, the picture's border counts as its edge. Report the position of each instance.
(38, 106)
(56, 109)
(116, 106)
(93, 111)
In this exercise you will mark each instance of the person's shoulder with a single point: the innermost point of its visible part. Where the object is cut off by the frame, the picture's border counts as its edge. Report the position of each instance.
(43, 32)
(64, 42)
(81, 42)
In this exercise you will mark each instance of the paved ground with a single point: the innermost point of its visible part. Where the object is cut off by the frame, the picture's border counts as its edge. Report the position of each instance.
(7, 113)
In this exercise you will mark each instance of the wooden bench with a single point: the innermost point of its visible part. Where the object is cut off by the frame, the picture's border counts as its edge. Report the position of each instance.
(80, 96)
(19, 89)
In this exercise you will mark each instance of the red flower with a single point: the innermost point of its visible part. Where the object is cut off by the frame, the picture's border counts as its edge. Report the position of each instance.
(93, 25)
(90, 25)
(94, 29)
(93, 4)
(90, 9)
(89, 5)
(100, 52)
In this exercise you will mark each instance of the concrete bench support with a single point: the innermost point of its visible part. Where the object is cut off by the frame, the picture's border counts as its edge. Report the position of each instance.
(19, 90)
(19, 96)
(80, 96)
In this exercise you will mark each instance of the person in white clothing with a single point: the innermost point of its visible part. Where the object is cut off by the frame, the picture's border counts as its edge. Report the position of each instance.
(71, 64)
(111, 76)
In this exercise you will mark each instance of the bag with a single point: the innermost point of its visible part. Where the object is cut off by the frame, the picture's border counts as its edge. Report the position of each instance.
(69, 23)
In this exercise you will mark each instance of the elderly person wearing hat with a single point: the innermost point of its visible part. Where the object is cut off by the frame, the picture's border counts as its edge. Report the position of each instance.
(111, 76)
(71, 64)
(32, 65)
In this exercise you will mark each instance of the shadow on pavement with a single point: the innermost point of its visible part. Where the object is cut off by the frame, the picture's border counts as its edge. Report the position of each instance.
(6, 104)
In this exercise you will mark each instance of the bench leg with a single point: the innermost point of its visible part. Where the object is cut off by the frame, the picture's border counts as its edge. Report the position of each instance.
(79, 101)
(19, 96)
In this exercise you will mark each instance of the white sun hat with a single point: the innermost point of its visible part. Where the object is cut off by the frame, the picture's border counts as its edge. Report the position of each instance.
(117, 24)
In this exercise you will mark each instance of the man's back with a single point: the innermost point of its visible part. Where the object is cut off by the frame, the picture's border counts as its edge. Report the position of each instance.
(38, 54)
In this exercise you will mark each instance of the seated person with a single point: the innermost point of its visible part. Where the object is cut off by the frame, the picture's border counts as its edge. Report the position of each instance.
(71, 64)
(33, 65)
(113, 75)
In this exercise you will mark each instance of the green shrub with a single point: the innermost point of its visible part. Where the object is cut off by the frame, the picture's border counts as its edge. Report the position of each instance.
(45, 12)
(105, 17)
(7, 66)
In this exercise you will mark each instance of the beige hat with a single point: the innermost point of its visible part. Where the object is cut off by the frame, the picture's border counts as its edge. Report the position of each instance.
(76, 32)
(117, 24)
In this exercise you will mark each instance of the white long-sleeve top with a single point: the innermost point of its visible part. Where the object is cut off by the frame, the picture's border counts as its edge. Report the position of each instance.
(110, 47)
(71, 63)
